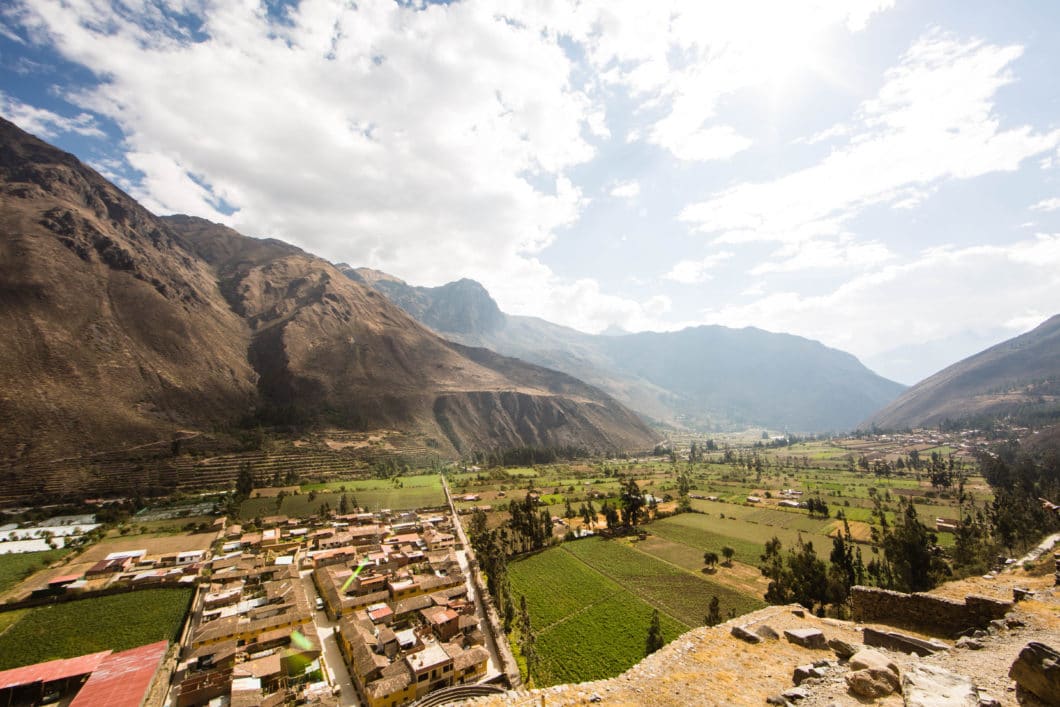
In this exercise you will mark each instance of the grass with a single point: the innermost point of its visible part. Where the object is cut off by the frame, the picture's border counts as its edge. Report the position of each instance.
(117, 622)
(590, 602)
(747, 538)
(602, 641)
(16, 567)
(408, 493)
(556, 584)
(682, 594)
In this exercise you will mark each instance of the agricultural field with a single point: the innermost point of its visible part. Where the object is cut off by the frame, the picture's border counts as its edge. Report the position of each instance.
(399, 493)
(16, 567)
(117, 622)
(572, 589)
(588, 626)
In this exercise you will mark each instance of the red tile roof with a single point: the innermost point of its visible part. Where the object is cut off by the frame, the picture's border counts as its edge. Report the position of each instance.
(123, 679)
(52, 670)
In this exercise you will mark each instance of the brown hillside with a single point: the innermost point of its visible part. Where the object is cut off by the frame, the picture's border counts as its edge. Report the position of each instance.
(114, 333)
(1019, 377)
(122, 328)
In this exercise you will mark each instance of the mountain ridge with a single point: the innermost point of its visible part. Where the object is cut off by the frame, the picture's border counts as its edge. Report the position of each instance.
(682, 378)
(1020, 376)
(126, 328)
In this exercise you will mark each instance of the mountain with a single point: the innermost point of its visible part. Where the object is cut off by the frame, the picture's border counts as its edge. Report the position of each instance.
(1018, 378)
(707, 377)
(122, 328)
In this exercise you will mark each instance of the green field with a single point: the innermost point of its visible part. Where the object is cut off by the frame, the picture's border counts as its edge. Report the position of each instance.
(747, 538)
(70, 629)
(590, 602)
(588, 626)
(15, 567)
(409, 492)
(682, 594)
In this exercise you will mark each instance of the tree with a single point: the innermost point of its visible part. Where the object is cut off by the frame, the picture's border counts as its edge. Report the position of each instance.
(245, 481)
(527, 639)
(910, 550)
(728, 552)
(344, 505)
(710, 559)
(655, 639)
(632, 501)
(713, 617)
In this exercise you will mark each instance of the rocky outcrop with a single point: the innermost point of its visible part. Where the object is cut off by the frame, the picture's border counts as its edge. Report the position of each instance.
(1037, 670)
(930, 686)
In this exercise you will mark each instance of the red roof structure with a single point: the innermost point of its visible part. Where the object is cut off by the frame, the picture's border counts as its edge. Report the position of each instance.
(123, 679)
(53, 670)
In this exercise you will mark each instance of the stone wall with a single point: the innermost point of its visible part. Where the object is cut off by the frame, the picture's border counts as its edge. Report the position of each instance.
(925, 612)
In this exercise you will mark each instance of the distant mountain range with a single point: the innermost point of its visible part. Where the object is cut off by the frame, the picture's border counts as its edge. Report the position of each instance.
(1018, 379)
(122, 328)
(706, 378)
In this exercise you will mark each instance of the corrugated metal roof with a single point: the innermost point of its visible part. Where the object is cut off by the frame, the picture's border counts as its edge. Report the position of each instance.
(123, 679)
(52, 670)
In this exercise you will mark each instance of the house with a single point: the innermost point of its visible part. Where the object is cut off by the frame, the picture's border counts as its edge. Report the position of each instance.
(432, 668)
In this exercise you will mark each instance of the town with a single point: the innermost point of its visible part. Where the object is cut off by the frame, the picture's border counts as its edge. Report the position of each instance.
(374, 608)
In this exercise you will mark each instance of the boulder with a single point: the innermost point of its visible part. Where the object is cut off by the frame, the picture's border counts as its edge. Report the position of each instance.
(805, 672)
(872, 682)
(868, 658)
(842, 649)
(744, 635)
(970, 643)
(778, 700)
(895, 641)
(1037, 670)
(929, 686)
(795, 694)
(767, 631)
(806, 637)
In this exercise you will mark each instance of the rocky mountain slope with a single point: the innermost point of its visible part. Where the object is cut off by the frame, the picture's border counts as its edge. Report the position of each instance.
(1019, 377)
(708, 377)
(122, 328)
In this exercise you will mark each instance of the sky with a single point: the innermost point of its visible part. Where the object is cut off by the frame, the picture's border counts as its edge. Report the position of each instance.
(882, 176)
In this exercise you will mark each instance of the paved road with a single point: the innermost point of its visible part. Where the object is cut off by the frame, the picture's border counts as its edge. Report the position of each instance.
(494, 666)
(325, 628)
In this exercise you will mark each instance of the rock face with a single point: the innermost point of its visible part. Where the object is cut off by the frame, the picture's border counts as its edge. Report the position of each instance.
(122, 328)
(930, 686)
(1037, 670)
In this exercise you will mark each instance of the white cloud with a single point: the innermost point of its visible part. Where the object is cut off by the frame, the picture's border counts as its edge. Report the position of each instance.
(1047, 205)
(945, 291)
(681, 59)
(626, 190)
(688, 272)
(431, 142)
(698, 144)
(932, 120)
(45, 123)
(818, 254)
